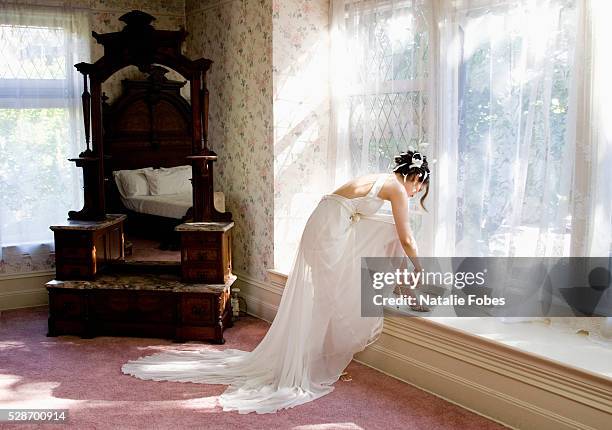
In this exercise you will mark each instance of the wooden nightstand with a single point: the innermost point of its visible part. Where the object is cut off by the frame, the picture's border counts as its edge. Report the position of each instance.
(206, 251)
(82, 248)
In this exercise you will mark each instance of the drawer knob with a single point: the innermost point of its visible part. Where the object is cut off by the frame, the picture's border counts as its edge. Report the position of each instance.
(197, 310)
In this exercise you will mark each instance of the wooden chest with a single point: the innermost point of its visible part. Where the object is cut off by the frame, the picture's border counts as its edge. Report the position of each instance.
(83, 248)
(206, 251)
(145, 305)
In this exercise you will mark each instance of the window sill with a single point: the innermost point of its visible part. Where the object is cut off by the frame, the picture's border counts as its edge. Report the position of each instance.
(277, 277)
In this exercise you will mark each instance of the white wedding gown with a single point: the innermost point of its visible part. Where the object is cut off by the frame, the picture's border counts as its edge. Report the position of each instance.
(317, 328)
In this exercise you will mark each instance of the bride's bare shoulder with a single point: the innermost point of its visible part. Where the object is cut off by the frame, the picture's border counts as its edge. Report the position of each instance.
(391, 189)
(357, 186)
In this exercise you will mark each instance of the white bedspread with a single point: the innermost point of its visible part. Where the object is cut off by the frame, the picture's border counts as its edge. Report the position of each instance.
(169, 205)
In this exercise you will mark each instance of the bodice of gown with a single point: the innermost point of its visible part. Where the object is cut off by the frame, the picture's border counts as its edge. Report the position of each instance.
(368, 205)
(365, 205)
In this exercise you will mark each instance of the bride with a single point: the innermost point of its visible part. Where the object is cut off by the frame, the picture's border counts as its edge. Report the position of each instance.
(318, 327)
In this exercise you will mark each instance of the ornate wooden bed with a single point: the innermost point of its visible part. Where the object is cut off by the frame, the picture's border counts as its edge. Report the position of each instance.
(97, 290)
(140, 44)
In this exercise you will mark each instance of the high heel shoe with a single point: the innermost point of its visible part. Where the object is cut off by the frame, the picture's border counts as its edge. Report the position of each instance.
(400, 290)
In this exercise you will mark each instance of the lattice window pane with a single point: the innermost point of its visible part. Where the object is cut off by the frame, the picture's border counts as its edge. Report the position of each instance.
(32, 52)
(388, 109)
(382, 125)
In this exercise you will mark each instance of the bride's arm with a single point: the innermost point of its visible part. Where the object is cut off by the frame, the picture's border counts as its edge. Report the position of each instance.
(399, 207)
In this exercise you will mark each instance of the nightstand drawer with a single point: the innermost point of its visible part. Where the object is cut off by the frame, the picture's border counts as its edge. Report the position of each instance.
(75, 253)
(206, 273)
(199, 310)
(202, 254)
(68, 305)
(73, 238)
(202, 239)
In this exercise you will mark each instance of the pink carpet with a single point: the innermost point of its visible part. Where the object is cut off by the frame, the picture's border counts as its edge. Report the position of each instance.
(84, 376)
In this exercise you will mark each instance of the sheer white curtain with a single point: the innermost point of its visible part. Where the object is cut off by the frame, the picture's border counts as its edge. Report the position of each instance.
(506, 70)
(592, 132)
(490, 84)
(381, 82)
(382, 89)
(40, 127)
(524, 89)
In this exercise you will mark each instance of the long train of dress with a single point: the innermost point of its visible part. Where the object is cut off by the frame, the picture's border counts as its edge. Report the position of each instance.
(318, 327)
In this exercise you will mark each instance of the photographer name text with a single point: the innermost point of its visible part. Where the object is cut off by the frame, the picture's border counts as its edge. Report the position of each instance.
(450, 300)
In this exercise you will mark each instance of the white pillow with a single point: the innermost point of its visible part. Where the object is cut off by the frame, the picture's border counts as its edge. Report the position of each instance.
(132, 182)
(173, 180)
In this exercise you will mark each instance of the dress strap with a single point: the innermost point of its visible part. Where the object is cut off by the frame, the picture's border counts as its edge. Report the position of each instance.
(378, 184)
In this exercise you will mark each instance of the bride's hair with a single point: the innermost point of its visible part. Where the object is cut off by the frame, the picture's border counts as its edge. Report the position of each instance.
(413, 164)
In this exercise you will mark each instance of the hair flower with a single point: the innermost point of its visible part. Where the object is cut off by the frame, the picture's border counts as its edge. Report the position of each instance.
(417, 160)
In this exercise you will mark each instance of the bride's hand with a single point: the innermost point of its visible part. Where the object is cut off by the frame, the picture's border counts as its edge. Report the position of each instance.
(409, 290)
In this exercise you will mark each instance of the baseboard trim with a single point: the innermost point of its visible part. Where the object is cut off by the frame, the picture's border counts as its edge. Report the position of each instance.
(259, 308)
(564, 380)
(271, 287)
(23, 298)
(504, 399)
(384, 354)
(262, 299)
(27, 275)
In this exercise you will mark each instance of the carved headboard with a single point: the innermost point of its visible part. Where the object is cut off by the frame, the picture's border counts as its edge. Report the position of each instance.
(148, 125)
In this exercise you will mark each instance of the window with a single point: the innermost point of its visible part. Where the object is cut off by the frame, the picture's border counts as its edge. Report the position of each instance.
(497, 91)
(514, 80)
(386, 74)
(387, 98)
(40, 120)
(485, 88)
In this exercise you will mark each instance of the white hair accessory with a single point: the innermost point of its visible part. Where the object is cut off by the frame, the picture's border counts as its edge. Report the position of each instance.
(416, 162)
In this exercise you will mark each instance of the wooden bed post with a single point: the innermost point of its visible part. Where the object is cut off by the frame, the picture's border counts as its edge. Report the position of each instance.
(91, 161)
(203, 158)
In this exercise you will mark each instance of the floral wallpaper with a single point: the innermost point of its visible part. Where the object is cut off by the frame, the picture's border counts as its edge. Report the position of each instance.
(269, 89)
(237, 36)
(15, 260)
(301, 118)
